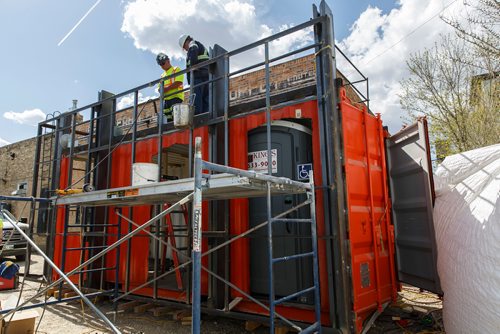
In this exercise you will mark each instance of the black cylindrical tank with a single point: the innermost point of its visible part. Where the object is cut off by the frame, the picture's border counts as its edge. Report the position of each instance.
(292, 158)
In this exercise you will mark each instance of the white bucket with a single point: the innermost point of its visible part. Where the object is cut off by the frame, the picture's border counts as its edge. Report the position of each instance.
(183, 115)
(144, 173)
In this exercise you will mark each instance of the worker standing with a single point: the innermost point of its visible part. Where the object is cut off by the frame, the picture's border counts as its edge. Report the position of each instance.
(172, 87)
(196, 53)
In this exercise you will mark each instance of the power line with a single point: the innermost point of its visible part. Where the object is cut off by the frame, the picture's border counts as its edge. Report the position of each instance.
(411, 32)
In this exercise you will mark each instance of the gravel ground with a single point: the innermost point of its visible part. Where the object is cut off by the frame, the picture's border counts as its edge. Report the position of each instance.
(71, 318)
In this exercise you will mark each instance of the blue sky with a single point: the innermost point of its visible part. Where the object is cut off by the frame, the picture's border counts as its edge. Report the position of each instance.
(114, 47)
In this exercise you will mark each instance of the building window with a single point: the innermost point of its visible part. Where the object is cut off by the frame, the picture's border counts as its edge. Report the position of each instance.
(22, 189)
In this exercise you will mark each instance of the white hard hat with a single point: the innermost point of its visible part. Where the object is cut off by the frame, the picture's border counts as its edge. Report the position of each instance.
(182, 40)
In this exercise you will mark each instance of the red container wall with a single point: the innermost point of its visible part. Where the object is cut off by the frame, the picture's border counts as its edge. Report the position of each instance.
(373, 276)
(120, 177)
(371, 245)
(370, 233)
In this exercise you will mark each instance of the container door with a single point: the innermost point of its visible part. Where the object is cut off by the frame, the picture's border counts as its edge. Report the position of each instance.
(412, 193)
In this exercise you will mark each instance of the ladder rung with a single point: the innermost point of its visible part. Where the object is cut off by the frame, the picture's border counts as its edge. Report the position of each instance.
(86, 248)
(292, 220)
(91, 225)
(93, 270)
(95, 234)
(292, 257)
(293, 295)
(310, 329)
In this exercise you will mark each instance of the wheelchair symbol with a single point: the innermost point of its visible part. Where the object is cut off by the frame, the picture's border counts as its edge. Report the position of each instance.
(303, 171)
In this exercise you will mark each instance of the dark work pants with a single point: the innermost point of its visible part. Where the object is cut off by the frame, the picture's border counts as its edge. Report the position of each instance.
(201, 98)
(167, 108)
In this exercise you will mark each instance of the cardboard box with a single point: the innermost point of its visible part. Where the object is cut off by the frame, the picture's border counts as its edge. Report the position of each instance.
(22, 323)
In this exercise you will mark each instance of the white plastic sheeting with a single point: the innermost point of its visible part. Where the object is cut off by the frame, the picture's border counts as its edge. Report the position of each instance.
(467, 225)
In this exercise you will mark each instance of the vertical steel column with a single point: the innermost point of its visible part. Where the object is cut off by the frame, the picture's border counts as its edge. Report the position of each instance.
(269, 204)
(34, 190)
(335, 163)
(157, 208)
(197, 240)
(69, 179)
(327, 217)
(190, 167)
(54, 184)
(108, 185)
(89, 212)
(314, 239)
(226, 110)
(117, 264)
(226, 162)
(131, 209)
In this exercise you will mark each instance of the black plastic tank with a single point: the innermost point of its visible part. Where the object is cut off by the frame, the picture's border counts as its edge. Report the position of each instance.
(292, 157)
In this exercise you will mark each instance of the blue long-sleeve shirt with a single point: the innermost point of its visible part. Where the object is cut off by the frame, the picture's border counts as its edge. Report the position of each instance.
(197, 53)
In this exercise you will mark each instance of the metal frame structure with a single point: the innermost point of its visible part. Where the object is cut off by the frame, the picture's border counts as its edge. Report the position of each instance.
(92, 142)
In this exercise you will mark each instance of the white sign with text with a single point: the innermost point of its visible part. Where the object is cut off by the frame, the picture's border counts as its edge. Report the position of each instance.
(258, 162)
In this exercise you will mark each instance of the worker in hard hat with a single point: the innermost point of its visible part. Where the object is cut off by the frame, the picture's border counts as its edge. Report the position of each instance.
(172, 87)
(196, 53)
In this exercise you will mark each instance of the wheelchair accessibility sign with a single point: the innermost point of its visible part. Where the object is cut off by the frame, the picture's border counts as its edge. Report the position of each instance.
(303, 171)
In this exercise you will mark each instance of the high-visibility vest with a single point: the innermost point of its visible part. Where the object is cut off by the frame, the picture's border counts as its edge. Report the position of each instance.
(168, 82)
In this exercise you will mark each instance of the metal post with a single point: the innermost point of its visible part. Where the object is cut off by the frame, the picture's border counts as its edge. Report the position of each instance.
(314, 242)
(269, 203)
(64, 277)
(131, 209)
(34, 190)
(196, 252)
(117, 264)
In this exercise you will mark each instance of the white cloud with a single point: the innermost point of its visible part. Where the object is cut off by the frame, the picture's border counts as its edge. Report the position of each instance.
(128, 100)
(374, 33)
(156, 25)
(4, 142)
(29, 117)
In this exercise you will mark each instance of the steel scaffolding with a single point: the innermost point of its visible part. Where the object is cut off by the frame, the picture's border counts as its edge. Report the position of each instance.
(92, 142)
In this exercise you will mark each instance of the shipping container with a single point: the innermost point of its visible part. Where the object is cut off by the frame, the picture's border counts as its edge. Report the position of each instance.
(372, 201)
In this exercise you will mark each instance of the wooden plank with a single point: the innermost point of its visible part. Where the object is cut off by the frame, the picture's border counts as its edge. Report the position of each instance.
(159, 311)
(252, 325)
(58, 293)
(128, 305)
(143, 308)
(186, 321)
(70, 294)
(281, 330)
(50, 292)
(180, 314)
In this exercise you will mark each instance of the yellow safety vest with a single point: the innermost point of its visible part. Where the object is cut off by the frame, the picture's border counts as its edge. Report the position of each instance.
(168, 82)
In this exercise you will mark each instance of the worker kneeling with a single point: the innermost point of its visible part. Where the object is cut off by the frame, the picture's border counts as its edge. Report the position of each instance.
(172, 87)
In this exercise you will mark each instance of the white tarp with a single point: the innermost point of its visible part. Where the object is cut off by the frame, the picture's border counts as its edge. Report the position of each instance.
(467, 225)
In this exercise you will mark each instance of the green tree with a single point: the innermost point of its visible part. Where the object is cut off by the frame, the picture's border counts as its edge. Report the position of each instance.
(447, 84)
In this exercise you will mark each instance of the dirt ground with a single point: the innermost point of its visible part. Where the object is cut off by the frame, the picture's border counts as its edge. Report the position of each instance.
(418, 313)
